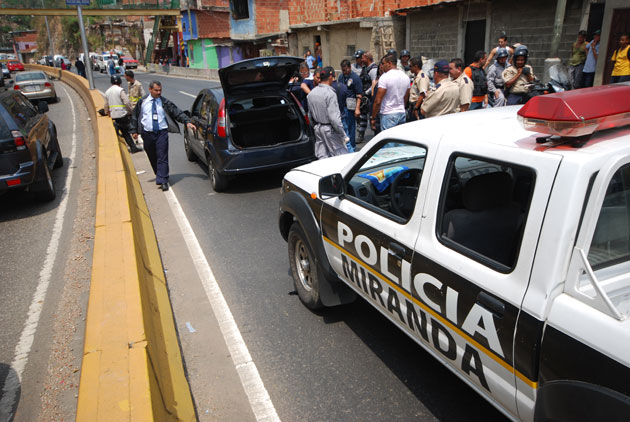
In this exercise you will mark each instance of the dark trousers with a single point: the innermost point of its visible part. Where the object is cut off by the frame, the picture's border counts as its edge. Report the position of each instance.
(514, 99)
(616, 79)
(156, 147)
(122, 129)
(587, 79)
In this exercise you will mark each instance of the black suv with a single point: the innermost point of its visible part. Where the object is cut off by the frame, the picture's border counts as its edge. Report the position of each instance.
(29, 148)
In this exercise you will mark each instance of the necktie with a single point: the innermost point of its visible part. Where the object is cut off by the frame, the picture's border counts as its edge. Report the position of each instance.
(156, 125)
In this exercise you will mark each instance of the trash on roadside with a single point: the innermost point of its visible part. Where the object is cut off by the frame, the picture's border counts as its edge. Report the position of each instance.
(190, 327)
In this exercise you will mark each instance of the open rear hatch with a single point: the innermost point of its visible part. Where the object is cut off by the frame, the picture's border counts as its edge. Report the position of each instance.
(260, 111)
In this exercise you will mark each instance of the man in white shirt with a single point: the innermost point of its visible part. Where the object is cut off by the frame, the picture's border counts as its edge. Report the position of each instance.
(392, 95)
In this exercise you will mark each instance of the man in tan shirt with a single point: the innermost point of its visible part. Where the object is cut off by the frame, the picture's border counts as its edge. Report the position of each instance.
(134, 90)
(445, 98)
(466, 87)
(517, 76)
(419, 87)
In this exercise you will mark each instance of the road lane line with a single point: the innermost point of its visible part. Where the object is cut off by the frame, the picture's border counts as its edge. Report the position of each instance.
(185, 93)
(23, 348)
(257, 394)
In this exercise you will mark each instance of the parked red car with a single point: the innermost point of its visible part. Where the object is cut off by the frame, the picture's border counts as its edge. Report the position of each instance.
(15, 66)
(130, 62)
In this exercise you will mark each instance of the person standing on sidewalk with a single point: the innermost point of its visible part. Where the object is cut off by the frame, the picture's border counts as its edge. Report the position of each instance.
(369, 73)
(592, 51)
(357, 66)
(578, 57)
(117, 107)
(466, 87)
(323, 112)
(621, 57)
(392, 95)
(135, 91)
(154, 117)
(480, 83)
(353, 102)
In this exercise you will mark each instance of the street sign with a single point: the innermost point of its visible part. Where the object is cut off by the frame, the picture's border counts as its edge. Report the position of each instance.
(77, 2)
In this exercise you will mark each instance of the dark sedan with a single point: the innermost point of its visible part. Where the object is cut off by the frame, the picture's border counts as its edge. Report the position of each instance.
(29, 148)
(252, 123)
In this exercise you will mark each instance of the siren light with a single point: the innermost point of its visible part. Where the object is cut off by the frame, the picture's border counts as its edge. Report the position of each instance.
(578, 113)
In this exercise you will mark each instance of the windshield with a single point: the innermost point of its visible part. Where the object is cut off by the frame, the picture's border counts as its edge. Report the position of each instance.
(34, 76)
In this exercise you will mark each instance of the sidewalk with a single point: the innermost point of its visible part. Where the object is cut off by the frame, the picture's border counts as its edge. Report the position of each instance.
(215, 384)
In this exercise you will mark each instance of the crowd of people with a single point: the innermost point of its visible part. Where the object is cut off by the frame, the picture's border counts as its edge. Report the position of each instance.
(396, 90)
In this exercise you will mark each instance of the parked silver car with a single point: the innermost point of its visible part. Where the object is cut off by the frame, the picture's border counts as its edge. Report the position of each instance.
(35, 85)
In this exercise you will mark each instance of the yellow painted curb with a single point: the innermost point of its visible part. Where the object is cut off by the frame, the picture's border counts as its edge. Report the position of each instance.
(132, 367)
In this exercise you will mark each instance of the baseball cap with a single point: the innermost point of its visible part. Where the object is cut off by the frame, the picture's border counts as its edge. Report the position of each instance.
(597, 32)
(325, 73)
(441, 67)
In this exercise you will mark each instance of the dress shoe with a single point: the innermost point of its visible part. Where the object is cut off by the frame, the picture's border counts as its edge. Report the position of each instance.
(164, 187)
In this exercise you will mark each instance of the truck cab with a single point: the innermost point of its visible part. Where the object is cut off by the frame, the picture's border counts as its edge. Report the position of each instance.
(499, 240)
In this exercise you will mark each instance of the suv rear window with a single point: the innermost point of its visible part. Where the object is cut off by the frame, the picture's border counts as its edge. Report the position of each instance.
(484, 206)
(5, 133)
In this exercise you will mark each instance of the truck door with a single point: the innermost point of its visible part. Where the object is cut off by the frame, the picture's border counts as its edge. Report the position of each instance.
(585, 353)
(473, 258)
(369, 233)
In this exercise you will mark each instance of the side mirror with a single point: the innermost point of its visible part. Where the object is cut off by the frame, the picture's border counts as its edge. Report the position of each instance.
(42, 106)
(332, 186)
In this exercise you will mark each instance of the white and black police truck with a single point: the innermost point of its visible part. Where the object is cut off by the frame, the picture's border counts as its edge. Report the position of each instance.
(499, 240)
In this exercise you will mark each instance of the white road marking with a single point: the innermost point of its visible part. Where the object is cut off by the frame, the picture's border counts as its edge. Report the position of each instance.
(185, 93)
(23, 348)
(257, 394)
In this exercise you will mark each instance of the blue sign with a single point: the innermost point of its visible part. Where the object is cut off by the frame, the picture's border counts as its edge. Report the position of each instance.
(77, 2)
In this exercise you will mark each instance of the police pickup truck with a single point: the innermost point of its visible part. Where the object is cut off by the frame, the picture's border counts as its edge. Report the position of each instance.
(499, 240)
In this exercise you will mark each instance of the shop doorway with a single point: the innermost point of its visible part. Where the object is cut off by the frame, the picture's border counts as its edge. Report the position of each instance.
(475, 39)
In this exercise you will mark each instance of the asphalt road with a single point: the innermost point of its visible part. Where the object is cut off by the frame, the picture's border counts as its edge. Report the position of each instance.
(341, 364)
(44, 277)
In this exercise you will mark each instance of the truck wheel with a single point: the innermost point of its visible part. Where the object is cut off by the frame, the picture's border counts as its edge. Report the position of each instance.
(190, 155)
(303, 268)
(44, 190)
(218, 181)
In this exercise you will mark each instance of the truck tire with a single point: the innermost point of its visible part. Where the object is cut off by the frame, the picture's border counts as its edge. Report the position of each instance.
(304, 268)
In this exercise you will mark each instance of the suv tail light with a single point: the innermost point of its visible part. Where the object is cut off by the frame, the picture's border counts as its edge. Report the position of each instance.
(47, 84)
(16, 87)
(18, 140)
(221, 130)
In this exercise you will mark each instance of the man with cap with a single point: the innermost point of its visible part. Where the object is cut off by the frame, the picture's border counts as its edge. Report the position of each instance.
(323, 112)
(357, 66)
(496, 85)
(134, 88)
(117, 107)
(592, 48)
(403, 63)
(154, 117)
(445, 98)
(353, 101)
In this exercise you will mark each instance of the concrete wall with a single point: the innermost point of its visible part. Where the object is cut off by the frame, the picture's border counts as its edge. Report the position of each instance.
(439, 32)
(335, 39)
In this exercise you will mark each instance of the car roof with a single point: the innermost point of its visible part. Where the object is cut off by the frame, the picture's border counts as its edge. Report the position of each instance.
(500, 126)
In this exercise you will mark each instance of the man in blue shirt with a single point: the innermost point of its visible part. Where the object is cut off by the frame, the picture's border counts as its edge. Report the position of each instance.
(309, 59)
(353, 102)
(592, 51)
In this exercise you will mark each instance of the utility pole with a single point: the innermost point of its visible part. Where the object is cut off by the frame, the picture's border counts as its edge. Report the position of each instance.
(86, 51)
(51, 44)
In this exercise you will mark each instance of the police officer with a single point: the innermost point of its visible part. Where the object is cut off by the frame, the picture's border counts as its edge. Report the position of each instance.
(456, 70)
(353, 101)
(496, 86)
(357, 66)
(323, 112)
(445, 98)
(134, 88)
(403, 63)
(368, 75)
(117, 107)
(154, 117)
(419, 88)
(517, 76)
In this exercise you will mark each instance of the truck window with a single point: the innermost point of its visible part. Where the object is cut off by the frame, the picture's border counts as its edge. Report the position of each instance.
(483, 209)
(388, 179)
(611, 241)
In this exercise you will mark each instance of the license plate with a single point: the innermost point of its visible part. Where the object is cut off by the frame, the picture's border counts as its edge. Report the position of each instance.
(32, 88)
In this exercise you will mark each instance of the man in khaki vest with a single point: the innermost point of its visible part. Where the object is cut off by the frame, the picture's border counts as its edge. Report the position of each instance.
(135, 91)
(445, 98)
(118, 107)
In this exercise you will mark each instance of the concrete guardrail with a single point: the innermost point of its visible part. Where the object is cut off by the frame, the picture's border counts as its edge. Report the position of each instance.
(132, 368)
(211, 74)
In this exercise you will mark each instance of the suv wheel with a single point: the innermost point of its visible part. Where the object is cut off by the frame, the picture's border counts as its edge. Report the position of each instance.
(189, 153)
(44, 190)
(303, 268)
(218, 181)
